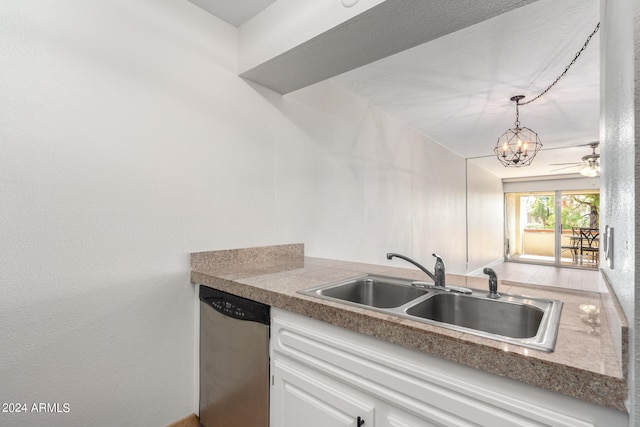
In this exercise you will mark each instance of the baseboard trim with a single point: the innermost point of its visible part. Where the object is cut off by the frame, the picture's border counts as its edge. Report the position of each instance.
(478, 271)
(188, 421)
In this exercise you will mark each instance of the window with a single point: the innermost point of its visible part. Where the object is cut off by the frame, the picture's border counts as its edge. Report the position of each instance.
(535, 233)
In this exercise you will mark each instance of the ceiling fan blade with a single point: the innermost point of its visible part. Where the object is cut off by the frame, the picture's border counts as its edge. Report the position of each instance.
(588, 160)
(566, 167)
(560, 164)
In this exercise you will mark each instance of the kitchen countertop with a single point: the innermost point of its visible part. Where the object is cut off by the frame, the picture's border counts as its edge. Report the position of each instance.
(587, 362)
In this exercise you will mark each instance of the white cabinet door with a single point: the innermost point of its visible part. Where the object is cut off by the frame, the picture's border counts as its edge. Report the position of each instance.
(301, 397)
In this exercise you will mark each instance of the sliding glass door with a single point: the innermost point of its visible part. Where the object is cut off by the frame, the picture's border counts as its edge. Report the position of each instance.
(580, 227)
(535, 233)
(530, 227)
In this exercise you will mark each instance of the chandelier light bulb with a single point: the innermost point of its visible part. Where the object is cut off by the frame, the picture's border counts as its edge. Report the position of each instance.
(589, 171)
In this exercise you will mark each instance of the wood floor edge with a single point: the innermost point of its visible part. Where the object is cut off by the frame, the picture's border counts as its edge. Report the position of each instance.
(188, 421)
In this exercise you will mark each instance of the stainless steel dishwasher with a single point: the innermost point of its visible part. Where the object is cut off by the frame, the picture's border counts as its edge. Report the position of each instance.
(234, 360)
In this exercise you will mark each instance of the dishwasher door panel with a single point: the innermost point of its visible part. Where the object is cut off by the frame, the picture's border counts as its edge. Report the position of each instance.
(234, 371)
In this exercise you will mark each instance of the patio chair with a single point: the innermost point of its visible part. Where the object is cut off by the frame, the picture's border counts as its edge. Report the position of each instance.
(589, 243)
(574, 244)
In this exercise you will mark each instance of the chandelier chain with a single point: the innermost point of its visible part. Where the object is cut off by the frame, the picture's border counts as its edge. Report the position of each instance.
(575, 58)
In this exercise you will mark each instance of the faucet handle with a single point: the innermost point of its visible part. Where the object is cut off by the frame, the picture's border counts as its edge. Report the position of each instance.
(439, 271)
(439, 262)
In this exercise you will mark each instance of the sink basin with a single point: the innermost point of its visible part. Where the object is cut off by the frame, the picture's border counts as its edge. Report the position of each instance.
(513, 319)
(371, 291)
(508, 319)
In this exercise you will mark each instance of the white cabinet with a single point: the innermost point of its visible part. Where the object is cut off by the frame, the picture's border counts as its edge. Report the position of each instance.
(325, 376)
(303, 397)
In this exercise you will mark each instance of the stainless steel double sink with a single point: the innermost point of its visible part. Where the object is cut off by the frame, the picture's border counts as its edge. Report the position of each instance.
(514, 319)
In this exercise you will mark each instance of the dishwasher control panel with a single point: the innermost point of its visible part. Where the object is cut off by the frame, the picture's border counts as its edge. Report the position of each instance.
(235, 306)
(228, 308)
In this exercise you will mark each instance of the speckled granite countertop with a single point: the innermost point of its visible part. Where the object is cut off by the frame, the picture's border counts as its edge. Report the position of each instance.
(586, 364)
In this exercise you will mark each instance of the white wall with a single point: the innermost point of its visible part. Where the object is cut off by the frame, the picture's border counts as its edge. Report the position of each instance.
(126, 142)
(382, 186)
(485, 217)
(617, 141)
(635, 372)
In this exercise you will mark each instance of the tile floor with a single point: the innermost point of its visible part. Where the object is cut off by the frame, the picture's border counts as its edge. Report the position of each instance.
(543, 275)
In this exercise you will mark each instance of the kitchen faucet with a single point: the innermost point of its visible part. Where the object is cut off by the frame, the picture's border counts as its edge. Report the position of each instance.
(439, 276)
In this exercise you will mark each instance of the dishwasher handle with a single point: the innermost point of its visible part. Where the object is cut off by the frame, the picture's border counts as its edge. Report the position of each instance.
(234, 306)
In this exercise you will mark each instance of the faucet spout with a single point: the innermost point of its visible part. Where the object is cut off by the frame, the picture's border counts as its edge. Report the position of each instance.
(438, 277)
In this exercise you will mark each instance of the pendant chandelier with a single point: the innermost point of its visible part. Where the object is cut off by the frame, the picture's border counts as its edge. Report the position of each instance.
(519, 145)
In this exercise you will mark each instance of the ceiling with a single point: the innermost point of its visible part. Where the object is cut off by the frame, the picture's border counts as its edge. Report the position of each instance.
(234, 12)
(456, 89)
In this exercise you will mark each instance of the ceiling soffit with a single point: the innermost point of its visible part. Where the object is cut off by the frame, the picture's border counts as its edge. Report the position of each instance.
(385, 29)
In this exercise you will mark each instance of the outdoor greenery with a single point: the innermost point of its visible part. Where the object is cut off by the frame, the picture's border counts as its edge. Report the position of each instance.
(578, 210)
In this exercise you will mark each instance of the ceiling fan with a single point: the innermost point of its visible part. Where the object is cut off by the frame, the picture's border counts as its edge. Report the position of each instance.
(590, 163)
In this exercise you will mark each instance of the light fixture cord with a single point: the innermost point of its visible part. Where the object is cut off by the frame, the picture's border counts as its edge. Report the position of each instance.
(575, 58)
